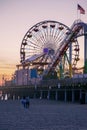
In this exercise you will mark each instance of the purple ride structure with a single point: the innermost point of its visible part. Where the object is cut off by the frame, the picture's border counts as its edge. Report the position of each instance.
(50, 49)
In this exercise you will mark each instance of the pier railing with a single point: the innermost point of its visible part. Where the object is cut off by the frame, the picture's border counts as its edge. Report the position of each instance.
(54, 83)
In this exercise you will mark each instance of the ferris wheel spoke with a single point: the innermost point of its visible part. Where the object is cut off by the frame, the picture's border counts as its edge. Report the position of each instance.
(42, 33)
(53, 33)
(36, 51)
(60, 37)
(41, 37)
(37, 40)
(59, 40)
(35, 47)
(57, 32)
(33, 40)
(52, 28)
(32, 49)
(45, 36)
(57, 35)
(33, 43)
(61, 33)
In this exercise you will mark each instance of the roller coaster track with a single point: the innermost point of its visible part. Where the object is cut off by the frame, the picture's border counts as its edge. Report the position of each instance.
(77, 30)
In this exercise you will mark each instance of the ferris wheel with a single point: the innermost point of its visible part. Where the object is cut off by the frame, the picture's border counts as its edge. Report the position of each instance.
(41, 42)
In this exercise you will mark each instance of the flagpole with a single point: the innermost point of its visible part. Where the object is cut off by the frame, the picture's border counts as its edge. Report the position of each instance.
(77, 12)
(80, 16)
(77, 9)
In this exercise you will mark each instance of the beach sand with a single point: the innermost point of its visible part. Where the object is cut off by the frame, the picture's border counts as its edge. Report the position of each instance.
(42, 115)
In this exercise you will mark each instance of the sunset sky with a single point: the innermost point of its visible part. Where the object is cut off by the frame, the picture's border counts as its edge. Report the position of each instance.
(17, 16)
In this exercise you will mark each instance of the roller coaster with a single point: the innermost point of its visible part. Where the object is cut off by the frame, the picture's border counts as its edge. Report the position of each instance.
(52, 49)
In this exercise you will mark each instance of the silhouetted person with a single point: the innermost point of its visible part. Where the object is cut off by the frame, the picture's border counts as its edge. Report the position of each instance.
(25, 101)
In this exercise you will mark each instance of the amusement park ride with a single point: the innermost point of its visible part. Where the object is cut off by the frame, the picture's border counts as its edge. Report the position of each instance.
(51, 49)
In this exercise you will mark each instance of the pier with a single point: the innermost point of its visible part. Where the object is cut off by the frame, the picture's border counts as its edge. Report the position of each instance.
(66, 90)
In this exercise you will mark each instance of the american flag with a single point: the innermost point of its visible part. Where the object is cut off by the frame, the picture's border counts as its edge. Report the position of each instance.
(82, 11)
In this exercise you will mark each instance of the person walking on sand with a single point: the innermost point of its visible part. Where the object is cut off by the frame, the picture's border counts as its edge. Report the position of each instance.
(25, 101)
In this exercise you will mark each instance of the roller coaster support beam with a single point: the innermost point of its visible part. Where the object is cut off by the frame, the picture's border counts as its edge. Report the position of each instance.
(85, 49)
(70, 61)
(70, 70)
(61, 70)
